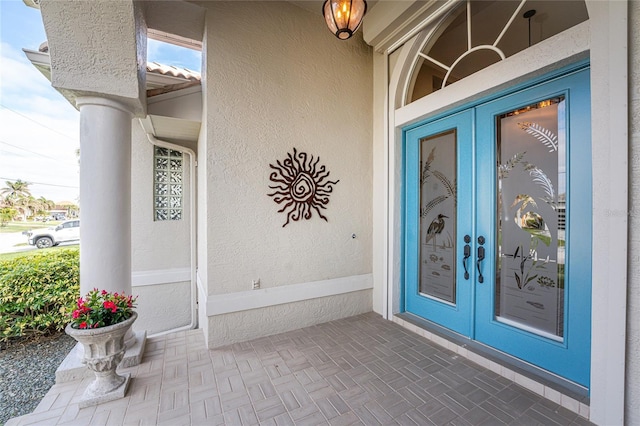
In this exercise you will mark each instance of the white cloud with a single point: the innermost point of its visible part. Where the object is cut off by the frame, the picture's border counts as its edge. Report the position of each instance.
(17, 76)
(35, 118)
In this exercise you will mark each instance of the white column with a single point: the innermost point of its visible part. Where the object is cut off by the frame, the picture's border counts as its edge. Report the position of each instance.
(105, 195)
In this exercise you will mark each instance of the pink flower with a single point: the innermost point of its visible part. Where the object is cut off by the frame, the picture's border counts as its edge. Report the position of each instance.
(91, 309)
(110, 305)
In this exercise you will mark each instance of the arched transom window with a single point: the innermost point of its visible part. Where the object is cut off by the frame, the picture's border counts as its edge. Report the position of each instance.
(478, 33)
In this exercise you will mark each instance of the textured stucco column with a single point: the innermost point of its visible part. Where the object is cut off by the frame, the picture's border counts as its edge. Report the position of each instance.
(105, 223)
(105, 195)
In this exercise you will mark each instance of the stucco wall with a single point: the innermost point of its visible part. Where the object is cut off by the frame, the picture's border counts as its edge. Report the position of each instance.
(161, 244)
(632, 403)
(157, 248)
(163, 307)
(277, 79)
(116, 68)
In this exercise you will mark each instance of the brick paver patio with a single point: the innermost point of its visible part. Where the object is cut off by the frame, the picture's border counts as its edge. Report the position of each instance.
(359, 370)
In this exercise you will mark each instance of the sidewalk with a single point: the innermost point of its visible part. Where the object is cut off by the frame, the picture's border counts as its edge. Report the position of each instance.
(9, 241)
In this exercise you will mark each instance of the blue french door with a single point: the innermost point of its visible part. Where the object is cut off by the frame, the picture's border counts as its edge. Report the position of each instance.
(497, 223)
(438, 163)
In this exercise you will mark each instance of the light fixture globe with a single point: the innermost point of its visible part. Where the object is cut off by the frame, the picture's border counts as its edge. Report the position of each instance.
(344, 17)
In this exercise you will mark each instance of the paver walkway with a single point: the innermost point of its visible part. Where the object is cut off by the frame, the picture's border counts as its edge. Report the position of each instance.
(359, 370)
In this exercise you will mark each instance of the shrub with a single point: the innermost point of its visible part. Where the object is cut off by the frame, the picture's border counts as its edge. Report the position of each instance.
(6, 215)
(37, 292)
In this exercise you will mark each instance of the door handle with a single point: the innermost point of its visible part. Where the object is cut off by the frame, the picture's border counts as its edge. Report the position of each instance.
(480, 258)
(467, 255)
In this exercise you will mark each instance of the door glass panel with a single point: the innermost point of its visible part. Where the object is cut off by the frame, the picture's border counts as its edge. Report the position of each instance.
(531, 218)
(438, 216)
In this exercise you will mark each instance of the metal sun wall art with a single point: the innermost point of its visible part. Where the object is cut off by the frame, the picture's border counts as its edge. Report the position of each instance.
(302, 185)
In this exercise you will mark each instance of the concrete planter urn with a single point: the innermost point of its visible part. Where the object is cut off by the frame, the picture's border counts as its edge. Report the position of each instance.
(104, 348)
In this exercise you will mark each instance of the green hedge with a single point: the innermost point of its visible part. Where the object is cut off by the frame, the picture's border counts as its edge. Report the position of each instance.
(37, 292)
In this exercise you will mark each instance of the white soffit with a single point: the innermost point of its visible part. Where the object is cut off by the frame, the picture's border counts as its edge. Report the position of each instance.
(175, 21)
(40, 60)
(171, 128)
(174, 39)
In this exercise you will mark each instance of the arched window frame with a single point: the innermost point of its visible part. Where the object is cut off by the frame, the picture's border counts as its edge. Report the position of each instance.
(430, 36)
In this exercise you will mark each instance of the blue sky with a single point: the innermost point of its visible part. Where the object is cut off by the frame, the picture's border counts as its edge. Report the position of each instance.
(38, 127)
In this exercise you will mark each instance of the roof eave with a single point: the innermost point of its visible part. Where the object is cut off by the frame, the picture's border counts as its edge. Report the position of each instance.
(155, 81)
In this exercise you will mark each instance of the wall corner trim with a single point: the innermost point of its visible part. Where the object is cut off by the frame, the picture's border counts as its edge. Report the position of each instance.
(254, 299)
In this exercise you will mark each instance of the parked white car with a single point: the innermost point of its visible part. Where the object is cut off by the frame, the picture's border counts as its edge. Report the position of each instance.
(64, 232)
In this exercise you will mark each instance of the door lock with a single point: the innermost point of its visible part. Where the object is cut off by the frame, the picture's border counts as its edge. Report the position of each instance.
(467, 255)
(481, 241)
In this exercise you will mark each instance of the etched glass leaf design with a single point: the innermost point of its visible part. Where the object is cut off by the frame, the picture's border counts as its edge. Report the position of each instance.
(504, 169)
(531, 180)
(541, 179)
(547, 137)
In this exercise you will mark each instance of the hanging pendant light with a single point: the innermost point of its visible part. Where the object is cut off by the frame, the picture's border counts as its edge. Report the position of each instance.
(344, 17)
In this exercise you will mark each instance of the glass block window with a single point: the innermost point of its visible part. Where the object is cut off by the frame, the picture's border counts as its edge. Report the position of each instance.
(167, 184)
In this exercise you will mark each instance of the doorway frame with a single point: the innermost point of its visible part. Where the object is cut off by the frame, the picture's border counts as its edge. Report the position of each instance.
(558, 78)
(603, 39)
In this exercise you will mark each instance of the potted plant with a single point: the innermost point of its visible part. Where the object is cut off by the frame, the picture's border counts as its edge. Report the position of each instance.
(100, 322)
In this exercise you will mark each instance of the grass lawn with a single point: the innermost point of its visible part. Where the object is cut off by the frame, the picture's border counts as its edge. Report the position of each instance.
(7, 256)
(24, 226)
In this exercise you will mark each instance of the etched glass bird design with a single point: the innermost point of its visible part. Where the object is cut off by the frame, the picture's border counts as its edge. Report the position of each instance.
(436, 227)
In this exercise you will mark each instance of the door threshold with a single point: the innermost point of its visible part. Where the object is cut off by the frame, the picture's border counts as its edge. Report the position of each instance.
(570, 395)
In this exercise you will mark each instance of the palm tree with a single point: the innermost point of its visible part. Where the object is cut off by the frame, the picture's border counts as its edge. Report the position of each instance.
(16, 189)
(26, 206)
(72, 210)
(17, 195)
(46, 204)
